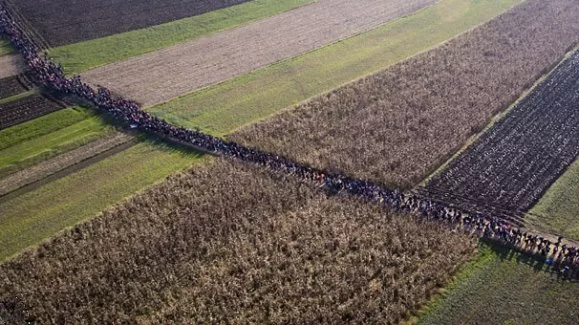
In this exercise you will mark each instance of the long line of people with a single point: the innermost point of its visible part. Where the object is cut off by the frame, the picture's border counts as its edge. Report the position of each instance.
(50, 75)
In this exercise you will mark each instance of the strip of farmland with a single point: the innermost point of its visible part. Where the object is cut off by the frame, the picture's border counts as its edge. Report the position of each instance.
(49, 167)
(159, 76)
(26, 109)
(34, 216)
(511, 165)
(68, 21)
(10, 65)
(398, 125)
(43, 138)
(556, 211)
(245, 99)
(67, 201)
(502, 287)
(11, 86)
(79, 57)
(190, 245)
(5, 48)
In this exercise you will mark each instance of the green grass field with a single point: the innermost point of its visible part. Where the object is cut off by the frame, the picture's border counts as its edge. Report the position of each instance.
(221, 109)
(504, 288)
(558, 209)
(5, 48)
(29, 143)
(79, 57)
(34, 216)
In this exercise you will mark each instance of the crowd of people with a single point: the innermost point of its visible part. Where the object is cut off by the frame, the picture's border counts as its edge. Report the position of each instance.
(51, 76)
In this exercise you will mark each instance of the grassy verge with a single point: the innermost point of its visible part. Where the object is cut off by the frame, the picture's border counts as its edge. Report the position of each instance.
(32, 142)
(501, 287)
(79, 57)
(5, 47)
(557, 210)
(223, 108)
(34, 216)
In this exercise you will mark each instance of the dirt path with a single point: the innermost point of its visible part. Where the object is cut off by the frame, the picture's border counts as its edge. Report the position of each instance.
(159, 76)
(58, 164)
(10, 65)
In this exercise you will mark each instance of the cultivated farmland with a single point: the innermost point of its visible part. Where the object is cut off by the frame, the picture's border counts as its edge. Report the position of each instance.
(10, 65)
(66, 163)
(511, 165)
(5, 47)
(503, 287)
(557, 209)
(67, 21)
(68, 200)
(245, 99)
(165, 74)
(13, 85)
(227, 242)
(79, 57)
(26, 109)
(398, 125)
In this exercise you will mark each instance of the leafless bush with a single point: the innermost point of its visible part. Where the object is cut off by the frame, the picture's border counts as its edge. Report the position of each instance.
(398, 125)
(233, 243)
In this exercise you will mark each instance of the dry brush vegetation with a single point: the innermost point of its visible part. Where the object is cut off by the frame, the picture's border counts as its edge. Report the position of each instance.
(227, 242)
(398, 125)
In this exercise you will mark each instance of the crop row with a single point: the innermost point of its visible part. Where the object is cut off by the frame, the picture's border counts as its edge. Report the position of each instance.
(511, 165)
(10, 86)
(26, 109)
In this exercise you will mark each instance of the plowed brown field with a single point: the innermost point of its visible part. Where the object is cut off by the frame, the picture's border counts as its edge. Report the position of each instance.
(159, 76)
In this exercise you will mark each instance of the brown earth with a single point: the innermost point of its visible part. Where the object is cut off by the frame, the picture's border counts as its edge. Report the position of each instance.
(230, 243)
(11, 65)
(159, 76)
(399, 125)
(49, 167)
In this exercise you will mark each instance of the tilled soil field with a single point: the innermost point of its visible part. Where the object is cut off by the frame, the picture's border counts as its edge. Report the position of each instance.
(511, 165)
(26, 109)
(399, 125)
(70, 21)
(10, 65)
(231, 243)
(10, 86)
(159, 76)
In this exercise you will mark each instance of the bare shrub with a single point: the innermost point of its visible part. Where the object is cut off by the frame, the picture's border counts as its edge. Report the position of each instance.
(233, 243)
